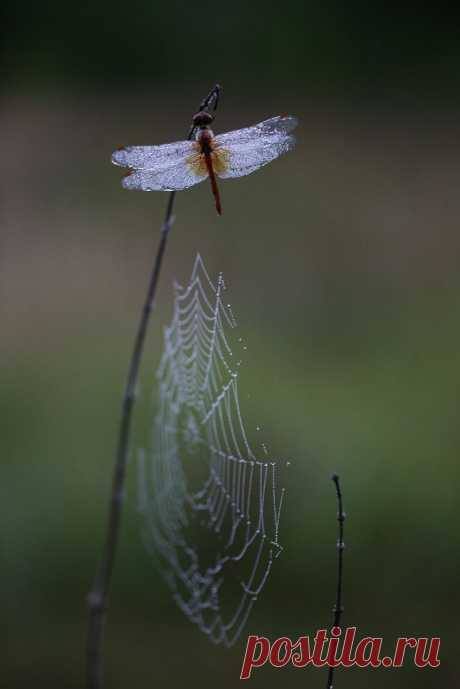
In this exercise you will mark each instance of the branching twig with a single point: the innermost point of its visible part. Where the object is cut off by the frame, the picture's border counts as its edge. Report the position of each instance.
(97, 598)
(338, 608)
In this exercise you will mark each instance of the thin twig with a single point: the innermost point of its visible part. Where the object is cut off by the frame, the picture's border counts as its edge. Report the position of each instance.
(338, 607)
(97, 598)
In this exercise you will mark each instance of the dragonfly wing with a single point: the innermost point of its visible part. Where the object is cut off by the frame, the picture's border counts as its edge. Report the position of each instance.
(274, 127)
(249, 149)
(152, 157)
(173, 178)
(169, 167)
(246, 158)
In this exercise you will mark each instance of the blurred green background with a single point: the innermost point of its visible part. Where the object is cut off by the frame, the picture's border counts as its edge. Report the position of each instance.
(342, 267)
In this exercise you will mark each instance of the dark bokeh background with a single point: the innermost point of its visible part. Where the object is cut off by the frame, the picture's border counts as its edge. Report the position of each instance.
(342, 265)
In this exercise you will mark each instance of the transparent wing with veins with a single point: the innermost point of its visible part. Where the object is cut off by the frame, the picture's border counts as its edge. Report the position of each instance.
(174, 178)
(179, 166)
(253, 147)
(158, 168)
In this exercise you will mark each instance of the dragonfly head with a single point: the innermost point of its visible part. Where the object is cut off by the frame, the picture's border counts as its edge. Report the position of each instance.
(202, 119)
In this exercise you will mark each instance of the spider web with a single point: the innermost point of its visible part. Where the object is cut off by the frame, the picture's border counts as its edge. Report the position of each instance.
(211, 508)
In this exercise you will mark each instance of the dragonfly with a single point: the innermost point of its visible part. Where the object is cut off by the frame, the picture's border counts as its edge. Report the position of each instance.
(182, 164)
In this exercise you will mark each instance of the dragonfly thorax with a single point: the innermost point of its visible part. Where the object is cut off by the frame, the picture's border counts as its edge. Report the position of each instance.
(204, 134)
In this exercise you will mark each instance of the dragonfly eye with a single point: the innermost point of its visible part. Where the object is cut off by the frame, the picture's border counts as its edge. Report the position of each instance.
(202, 119)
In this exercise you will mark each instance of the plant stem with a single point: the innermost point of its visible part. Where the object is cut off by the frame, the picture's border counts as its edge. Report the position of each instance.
(97, 598)
(338, 608)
